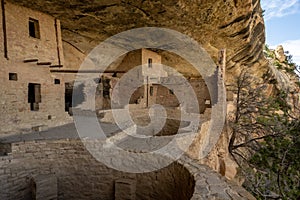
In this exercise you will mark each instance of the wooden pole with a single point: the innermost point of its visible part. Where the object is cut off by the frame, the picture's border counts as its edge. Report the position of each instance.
(222, 63)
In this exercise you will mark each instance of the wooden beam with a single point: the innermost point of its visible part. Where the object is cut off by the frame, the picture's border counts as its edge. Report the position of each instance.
(44, 63)
(4, 29)
(222, 63)
(30, 60)
(56, 66)
(74, 71)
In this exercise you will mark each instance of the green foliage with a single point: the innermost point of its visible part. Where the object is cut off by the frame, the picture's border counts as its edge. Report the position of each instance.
(278, 64)
(268, 53)
(292, 68)
(278, 164)
(265, 141)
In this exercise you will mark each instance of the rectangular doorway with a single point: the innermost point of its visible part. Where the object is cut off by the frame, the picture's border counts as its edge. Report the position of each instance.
(34, 96)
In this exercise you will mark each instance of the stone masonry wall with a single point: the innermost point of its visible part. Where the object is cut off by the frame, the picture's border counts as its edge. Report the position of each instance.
(16, 115)
(163, 95)
(22, 46)
(80, 176)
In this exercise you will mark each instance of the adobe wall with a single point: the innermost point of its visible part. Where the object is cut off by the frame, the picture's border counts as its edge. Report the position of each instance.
(16, 115)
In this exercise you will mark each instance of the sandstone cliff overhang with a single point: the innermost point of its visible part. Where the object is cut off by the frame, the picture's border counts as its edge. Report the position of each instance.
(236, 25)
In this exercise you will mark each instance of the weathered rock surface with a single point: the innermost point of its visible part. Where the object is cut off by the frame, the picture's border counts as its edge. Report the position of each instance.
(281, 77)
(236, 25)
(279, 53)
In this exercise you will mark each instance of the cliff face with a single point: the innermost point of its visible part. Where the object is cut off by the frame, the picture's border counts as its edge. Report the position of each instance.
(235, 25)
(281, 77)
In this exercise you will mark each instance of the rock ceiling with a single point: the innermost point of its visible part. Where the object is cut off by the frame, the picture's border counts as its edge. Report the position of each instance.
(235, 25)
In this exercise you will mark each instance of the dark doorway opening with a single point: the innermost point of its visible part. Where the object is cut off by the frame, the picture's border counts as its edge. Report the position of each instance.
(68, 97)
(150, 63)
(74, 96)
(151, 91)
(34, 96)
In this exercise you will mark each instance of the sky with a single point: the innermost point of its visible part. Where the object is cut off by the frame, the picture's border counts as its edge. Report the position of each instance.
(282, 20)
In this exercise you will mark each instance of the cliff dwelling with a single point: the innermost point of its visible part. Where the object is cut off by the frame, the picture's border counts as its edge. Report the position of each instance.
(148, 102)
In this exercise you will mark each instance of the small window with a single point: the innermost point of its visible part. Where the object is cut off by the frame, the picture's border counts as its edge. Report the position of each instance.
(151, 91)
(56, 81)
(13, 76)
(34, 28)
(150, 63)
(171, 92)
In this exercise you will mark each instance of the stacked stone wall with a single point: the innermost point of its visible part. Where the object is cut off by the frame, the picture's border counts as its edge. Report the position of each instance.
(80, 176)
(28, 61)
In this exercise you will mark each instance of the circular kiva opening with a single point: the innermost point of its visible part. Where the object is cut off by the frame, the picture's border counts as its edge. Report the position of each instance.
(72, 173)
